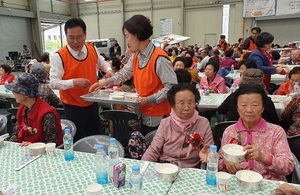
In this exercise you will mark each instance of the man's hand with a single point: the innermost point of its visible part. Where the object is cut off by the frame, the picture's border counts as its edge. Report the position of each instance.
(97, 86)
(81, 82)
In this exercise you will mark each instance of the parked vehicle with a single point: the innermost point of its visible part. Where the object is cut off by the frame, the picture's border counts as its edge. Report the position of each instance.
(103, 45)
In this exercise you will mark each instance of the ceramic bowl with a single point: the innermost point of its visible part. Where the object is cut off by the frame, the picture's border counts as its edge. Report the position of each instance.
(234, 152)
(166, 171)
(249, 180)
(36, 148)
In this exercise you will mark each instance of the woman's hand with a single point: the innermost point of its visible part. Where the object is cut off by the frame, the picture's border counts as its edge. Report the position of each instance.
(203, 154)
(232, 168)
(143, 101)
(98, 85)
(254, 153)
(286, 189)
(24, 143)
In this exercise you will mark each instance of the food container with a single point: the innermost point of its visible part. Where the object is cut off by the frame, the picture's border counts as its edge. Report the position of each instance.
(166, 171)
(1, 142)
(249, 180)
(116, 97)
(132, 97)
(234, 152)
(36, 148)
(121, 93)
(119, 173)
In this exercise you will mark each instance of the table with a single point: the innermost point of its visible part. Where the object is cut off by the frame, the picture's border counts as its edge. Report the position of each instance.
(53, 175)
(192, 181)
(278, 101)
(211, 101)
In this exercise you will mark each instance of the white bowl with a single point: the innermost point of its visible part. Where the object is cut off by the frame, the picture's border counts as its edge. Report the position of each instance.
(249, 180)
(36, 148)
(234, 152)
(133, 97)
(166, 171)
(1, 142)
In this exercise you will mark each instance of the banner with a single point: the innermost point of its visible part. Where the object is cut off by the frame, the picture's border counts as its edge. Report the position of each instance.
(285, 7)
(166, 26)
(259, 8)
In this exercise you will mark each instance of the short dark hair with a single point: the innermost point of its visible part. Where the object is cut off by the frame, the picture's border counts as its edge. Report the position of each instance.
(222, 37)
(229, 53)
(295, 70)
(6, 68)
(115, 62)
(248, 89)
(140, 26)
(183, 76)
(214, 63)
(182, 87)
(239, 40)
(258, 30)
(181, 59)
(189, 62)
(45, 57)
(24, 45)
(191, 52)
(75, 22)
(264, 38)
(275, 55)
(175, 49)
(248, 63)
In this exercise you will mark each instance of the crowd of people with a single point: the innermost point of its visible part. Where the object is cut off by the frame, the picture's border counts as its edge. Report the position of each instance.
(168, 83)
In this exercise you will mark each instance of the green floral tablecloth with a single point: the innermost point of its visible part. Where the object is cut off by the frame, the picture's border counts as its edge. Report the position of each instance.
(192, 181)
(53, 175)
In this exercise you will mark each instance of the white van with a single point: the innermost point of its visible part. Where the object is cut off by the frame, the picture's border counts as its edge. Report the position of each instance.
(103, 45)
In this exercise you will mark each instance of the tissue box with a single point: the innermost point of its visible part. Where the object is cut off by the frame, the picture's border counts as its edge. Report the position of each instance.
(119, 173)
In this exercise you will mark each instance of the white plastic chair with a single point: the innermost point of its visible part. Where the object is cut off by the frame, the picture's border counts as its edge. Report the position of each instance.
(89, 144)
(296, 171)
(149, 137)
(3, 124)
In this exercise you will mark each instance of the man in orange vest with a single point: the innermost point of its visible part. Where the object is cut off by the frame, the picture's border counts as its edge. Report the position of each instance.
(151, 69)
(249, 43)
(73, 71)
(223, 44)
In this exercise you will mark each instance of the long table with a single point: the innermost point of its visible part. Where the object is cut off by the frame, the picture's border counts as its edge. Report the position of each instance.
(53, 175)
(192, 181)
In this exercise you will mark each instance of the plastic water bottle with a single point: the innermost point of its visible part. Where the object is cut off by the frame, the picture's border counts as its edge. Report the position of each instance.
(232, 88)
(113, 156)
(68, 145)
(136, 181)
(212, 165)
(101, 165)
(296, 88)
(232, 69)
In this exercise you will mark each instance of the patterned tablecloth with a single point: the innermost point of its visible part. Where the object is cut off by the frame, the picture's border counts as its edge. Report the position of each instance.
(192, 181)
(53, 175)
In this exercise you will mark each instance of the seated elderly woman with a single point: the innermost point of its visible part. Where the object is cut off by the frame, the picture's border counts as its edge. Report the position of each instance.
(180, 137)
(243, 66)
(37, 121)
(268, 152)
(250, 76)
(286, 88)
(5, 74)
(211, 80)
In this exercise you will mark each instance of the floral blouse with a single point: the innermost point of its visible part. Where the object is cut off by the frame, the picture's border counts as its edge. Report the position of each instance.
(272, 141)
(291, 113)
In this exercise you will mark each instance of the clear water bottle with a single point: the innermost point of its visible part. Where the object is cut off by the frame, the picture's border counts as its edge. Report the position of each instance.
(232, 69)
(136, 181)
(296, 88)
(212, 165)
(101, 165)
(113, 156)
(68, 145)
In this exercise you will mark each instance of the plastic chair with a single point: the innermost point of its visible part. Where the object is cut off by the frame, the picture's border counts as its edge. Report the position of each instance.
(149, 137)
(219, 130)
(296, 171)
(61, 113)
(120, 119)
(294, 145)
(89, 144)
(3, 124)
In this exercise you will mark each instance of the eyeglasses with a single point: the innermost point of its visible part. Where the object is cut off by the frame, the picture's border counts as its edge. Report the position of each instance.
(184, 104)
(77, 39)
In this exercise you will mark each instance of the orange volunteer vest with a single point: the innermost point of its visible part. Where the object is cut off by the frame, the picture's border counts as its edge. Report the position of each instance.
(74, 68)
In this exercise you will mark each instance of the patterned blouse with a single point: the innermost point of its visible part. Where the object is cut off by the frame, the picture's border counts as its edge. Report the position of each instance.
(272, 141)
(48, 95)
(49, 128)
(291, 113)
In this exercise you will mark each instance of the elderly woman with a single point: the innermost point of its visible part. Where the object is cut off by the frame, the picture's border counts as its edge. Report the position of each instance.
(268, 152)
(243, 66)
(37, 121)
(5, 74)
(251, 76)
(212, 80)
(174, 134)
(263, 58)
(287, 87)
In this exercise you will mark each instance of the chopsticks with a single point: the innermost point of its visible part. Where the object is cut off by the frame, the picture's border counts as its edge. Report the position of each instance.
(22, 166)
(143, 169)
(4, 136)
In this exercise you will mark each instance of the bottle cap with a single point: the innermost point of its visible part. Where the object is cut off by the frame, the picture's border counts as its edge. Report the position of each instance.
(100, 147)
(213, 148)
(67, 131)
(135, 168)
(112, 140)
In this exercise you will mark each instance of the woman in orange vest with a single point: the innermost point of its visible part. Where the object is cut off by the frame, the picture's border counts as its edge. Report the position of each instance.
(151, 69)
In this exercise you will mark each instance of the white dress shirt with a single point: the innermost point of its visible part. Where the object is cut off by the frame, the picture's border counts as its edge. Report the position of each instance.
(57, 69)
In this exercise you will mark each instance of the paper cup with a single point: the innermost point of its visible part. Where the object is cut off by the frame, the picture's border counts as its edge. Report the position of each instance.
(94, 189)
(223, 180)
(50, 149)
